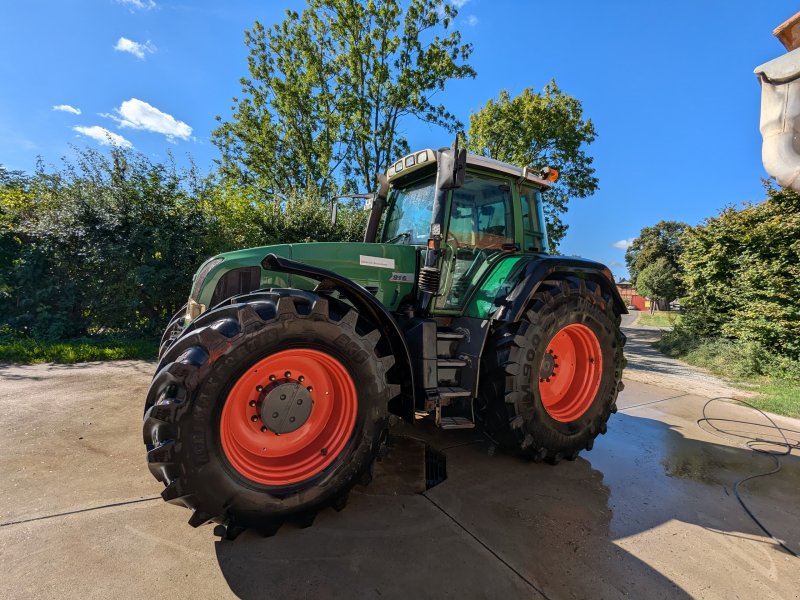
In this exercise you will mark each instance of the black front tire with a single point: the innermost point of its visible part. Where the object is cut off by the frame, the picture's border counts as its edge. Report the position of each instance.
(185, 401)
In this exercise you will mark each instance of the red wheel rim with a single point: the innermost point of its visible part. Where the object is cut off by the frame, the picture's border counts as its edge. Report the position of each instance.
(264, 456)
(570, 373)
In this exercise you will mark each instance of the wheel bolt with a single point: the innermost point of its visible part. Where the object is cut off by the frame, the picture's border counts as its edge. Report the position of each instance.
(274, 415)
(301, 379)
(272, 378)
(291, 419)
(252, 403)
(263, 428)
(287, 374)
(259, 388)
(283, 396)
(300, 402)
(310, 389)
(254, 418)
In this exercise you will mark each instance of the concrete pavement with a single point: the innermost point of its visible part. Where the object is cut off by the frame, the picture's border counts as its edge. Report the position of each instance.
(648, 513)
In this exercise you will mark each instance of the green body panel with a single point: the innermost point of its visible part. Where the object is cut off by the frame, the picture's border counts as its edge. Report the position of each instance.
(481, 304)
(390, 268)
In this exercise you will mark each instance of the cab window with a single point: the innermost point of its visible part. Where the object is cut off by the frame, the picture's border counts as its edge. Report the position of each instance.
(481, 215)
(533, 239)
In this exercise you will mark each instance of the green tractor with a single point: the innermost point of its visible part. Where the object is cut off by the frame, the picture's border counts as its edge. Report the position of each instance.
(275, 387)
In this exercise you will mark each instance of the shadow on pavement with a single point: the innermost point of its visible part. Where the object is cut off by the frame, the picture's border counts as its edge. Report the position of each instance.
(555, 530)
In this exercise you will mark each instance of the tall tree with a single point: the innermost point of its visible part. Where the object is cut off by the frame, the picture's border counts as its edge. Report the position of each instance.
(659, 282)
(540, 130)
(329, 88)
(662, 240)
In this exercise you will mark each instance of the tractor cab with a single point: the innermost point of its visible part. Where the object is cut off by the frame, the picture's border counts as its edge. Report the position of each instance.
(493, 212)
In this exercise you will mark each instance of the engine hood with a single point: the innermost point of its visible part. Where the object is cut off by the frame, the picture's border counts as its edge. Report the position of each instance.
(386, 270)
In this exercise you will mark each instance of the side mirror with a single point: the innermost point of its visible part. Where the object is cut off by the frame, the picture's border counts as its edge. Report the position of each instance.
(334, 211)
(452, 166)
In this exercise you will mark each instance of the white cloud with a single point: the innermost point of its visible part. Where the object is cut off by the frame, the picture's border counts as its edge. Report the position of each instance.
(138, 114)
(138, 4)
(104, 136)
(67, 108)
(459, 3)
(623, 244)
(471, 20)
(135, 48)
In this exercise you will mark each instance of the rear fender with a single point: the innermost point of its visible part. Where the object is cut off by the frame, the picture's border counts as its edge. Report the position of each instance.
(529, 274)
(369, 306)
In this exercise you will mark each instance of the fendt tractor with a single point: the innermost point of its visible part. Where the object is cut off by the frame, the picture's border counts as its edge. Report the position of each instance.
(275, 388)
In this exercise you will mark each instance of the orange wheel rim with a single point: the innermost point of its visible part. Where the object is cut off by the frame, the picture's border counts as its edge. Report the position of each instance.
(570, 373)
(288, 417)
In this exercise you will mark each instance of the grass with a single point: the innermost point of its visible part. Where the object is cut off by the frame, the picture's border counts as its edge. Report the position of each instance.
(779, 397)
(30, 351)
(774, 377)
(659, 319)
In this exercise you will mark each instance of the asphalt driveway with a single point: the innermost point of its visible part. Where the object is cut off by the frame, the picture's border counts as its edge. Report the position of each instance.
(649, 513)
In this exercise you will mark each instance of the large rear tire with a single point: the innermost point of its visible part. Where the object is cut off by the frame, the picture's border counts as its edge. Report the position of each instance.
(550, 380)
(268, 408)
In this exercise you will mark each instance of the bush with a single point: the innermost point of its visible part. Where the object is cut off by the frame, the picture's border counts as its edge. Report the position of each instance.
(742, 275)
(108, 244)
(739, 359)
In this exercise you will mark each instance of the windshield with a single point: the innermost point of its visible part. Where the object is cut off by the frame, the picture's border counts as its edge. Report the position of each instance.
(409, 217)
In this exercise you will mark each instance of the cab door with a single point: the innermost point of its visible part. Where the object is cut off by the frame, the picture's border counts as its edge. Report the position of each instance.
(480, 228)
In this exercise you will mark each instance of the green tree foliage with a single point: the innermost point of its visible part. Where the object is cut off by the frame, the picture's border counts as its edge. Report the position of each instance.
(244, 217)
(328, 89)
(741, 270)
(104, 243)
(110, 243)
(662, 240)
(658, 281)
(540, 130)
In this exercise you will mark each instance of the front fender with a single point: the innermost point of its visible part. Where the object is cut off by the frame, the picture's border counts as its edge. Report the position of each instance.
(371, 308)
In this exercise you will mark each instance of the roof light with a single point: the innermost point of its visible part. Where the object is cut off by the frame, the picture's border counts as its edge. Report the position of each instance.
(409, 161)
(422, 157)
(398, 166)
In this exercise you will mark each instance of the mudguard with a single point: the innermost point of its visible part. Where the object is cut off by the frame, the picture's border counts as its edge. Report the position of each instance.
(371, 308)
(529, 273)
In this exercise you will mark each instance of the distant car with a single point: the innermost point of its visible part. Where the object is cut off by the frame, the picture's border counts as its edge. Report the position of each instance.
(632, 307)
(675, 306)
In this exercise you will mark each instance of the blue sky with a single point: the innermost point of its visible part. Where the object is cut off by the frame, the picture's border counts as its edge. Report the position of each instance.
(669, 86)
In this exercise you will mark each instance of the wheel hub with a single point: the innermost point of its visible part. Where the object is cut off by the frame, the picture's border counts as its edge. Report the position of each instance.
(571, 372)
(548, 366)
(285, 406)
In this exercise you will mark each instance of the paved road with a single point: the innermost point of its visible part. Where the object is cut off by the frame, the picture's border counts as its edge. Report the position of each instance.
(648, 365)
(649, 513)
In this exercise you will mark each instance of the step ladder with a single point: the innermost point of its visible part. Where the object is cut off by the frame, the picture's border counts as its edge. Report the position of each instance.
(452, 404)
